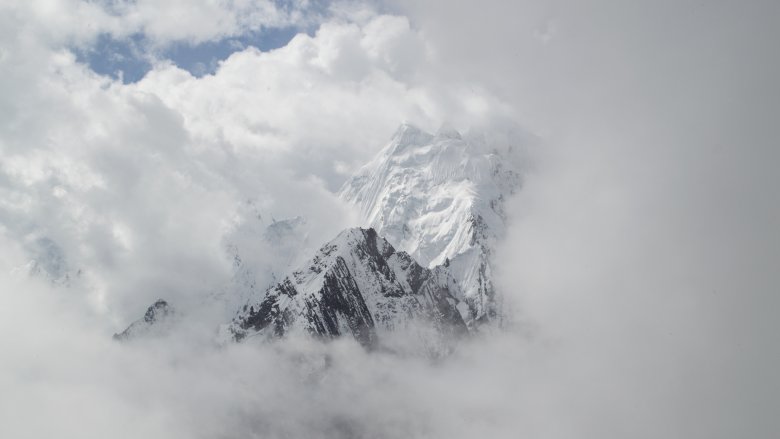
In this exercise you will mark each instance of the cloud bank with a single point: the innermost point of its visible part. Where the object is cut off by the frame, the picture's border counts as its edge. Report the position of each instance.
(133, 186)
(642, 253)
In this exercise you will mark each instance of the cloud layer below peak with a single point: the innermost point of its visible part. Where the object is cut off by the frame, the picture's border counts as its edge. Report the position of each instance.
(642, 251)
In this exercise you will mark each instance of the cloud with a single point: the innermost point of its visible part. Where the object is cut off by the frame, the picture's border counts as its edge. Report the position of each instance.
(137, 184)
(641, 256)
(74, 21)
(640, 245)
(181, 388)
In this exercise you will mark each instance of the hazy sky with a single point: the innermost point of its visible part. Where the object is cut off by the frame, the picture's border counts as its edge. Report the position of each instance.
(643, 251)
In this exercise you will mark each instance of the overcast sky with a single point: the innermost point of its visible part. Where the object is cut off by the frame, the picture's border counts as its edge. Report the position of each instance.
(643, 251)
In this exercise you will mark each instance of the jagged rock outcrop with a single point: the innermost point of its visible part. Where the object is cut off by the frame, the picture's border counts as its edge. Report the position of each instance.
(157, 321)
(357, 285)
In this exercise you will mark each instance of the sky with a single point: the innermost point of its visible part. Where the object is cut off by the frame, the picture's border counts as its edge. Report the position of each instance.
(642, 251)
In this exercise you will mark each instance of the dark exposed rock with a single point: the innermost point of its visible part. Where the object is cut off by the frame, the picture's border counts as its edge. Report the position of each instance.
(156, 320)
(356, 285)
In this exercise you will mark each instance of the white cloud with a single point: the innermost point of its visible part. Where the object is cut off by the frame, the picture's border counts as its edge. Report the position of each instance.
(63, 22)
(643, 251)
(181, 388)
(136, 184)
(641, 247)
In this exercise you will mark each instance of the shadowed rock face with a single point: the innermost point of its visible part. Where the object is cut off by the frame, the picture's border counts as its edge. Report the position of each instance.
(158, 310)
(355, 285)
(156, 321)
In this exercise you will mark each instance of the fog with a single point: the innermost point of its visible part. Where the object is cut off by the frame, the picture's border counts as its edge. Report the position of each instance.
(641, 256)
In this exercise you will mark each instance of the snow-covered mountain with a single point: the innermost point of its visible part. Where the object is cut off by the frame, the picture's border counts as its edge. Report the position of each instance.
(440, 197)
(437, 198)
(157, 320)
(358, 285)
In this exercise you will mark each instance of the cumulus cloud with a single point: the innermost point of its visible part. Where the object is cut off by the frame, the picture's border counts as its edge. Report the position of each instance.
(134, 186)
(641, 257)
(79, 22)
(131, 190)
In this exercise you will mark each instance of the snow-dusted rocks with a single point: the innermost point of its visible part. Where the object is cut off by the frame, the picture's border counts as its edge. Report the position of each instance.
(441, 199)
(357, 285)
(157, 320)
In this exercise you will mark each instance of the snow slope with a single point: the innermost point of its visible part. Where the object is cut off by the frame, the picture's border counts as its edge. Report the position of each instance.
(441, 199)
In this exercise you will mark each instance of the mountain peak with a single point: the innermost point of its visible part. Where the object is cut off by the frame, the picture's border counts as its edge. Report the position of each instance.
(159, 309)
(440, 198)
(157, 321)
(408, 135)
(349, 238)
(356, 284)
(447, 131)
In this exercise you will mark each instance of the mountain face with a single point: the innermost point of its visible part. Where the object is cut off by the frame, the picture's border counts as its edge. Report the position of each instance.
(440, 198)
(357, 285)
(261, 252)
(157, 321)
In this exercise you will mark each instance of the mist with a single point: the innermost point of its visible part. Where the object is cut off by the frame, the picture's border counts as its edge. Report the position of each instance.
(640, 261)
